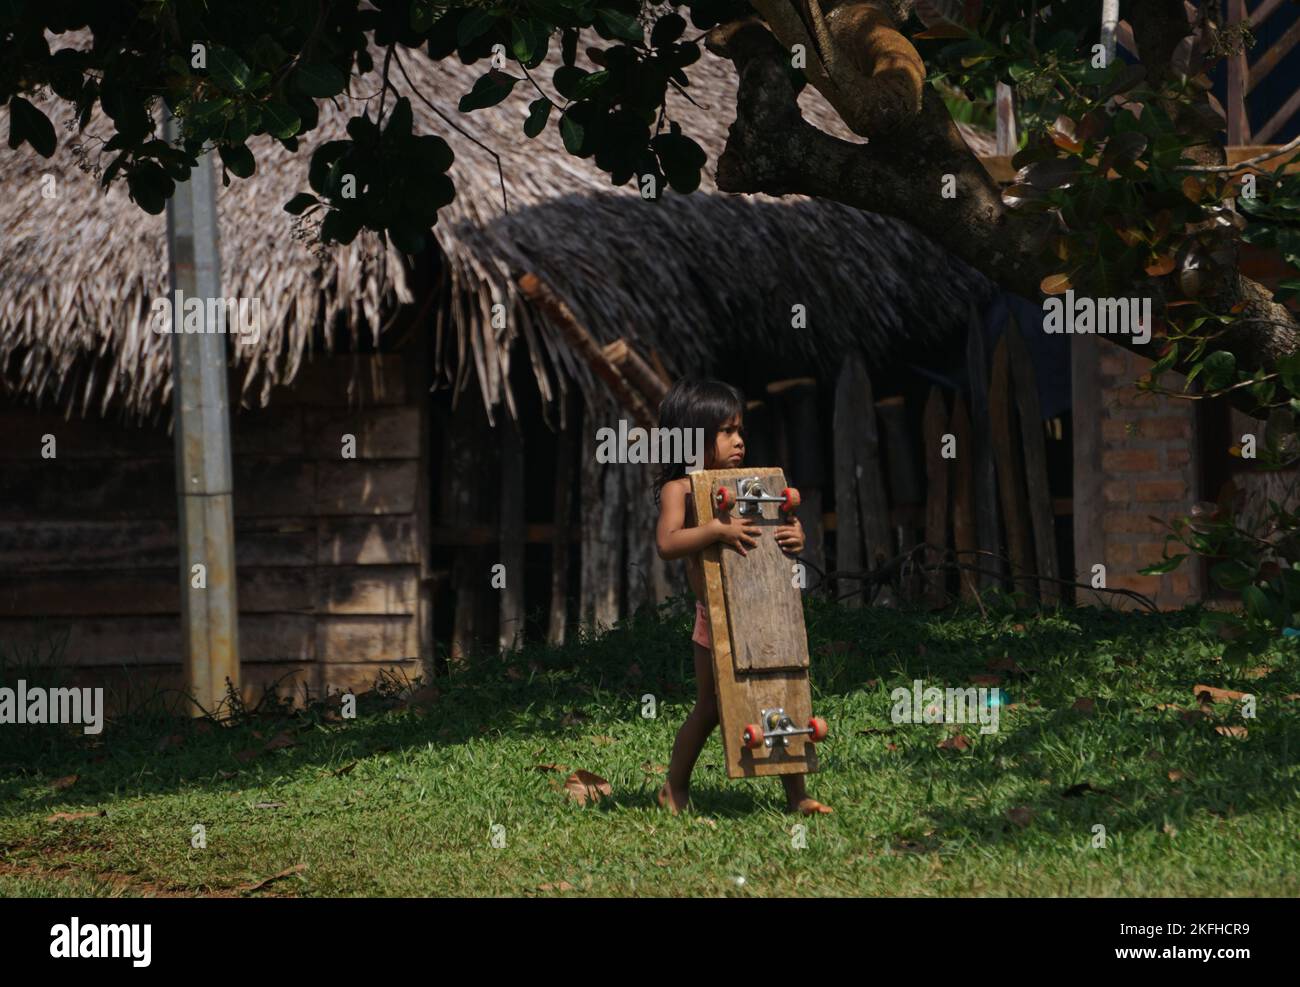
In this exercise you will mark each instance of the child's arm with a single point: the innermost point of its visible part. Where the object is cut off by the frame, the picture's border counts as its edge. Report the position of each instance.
(674, 540)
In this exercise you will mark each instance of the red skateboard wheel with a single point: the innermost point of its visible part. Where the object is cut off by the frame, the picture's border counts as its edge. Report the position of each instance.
(791, 496)
(819, 728)
(753, 735)
(723, 499)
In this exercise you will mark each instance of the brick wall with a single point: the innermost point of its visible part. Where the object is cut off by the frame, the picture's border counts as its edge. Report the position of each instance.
(1149, 466)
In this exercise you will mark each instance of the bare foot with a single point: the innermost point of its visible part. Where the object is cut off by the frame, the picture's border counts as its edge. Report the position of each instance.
(808, 807)
(674, 801)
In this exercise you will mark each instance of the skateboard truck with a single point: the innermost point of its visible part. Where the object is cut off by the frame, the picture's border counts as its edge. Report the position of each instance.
(751, 496)
(775, 727)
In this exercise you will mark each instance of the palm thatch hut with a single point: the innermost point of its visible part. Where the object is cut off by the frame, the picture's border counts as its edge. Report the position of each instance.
(465, 456)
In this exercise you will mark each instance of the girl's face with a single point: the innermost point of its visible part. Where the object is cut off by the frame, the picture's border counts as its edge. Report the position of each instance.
(729, 449)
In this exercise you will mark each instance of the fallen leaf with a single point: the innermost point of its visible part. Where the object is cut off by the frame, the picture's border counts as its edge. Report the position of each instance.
(653, 769)
(243, 757)
(1209, 694)
(268, 805)
(707, 822)
(1169, 829)
(202, 727)
(602, 740)
(550, 767)
(280, 741)
(572, 717)
(583, 787)
(514, 673)
(70, 816)
(870, 731)
(346, 769)
(1085, 706)
(1258, 672)
(1176, 776)
(891, 747)
(1018, 628)
(67, 781)
(288, 872)
(872, 683)
(959, 742)
(1231, 731)
(557, 886)
(226, 775)
(1021, 815)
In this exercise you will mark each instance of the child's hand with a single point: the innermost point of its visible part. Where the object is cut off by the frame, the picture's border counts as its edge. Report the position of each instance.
(739, 534)
(790, 537)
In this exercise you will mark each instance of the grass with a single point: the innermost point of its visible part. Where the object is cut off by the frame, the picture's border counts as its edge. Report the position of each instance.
(404, 800)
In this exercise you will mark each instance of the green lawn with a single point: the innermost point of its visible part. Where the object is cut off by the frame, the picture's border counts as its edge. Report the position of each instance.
(403, 801)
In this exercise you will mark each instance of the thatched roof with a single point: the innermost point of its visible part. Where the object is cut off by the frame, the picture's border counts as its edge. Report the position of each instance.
(688, 275)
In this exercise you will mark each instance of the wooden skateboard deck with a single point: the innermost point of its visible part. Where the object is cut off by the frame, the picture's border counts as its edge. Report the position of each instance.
(760, 645)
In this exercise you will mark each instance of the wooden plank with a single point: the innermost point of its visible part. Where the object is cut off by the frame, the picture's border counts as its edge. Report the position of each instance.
(563, 533)
(275, 431)
(759, 582)
(1011, 473)
(272, 486)
(1264, 11)
(143, 591)
(370, 486)
(378, 433)
(370, 590)
(965, 538)
(984, 483)
(1238, 73)
(848, 455)
(640, 374)
(1267, 62)
(366, 639)
(382, 539)
(906, 488)
(353, 380)
(807, 468)
(1035, 458)
(936, 504)
(88, 489)
(1086, 415)
(1279, 119)
(601, 527)
(741, 696)
(78, 438)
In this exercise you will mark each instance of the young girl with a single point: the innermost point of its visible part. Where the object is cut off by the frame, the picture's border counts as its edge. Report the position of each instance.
(717, 409)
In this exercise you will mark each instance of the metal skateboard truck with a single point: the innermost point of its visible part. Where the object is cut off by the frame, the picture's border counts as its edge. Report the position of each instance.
(751, 494)
(777, 727)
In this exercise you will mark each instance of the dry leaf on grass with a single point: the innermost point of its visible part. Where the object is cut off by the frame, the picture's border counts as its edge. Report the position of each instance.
(1177, 775)
(243, 757)
(1081, 789)
(550, 767)
(1085, 706)
(70, 816)
(346, 769)
(280, 741)
(268, 805)
(960, 742)
(67, 781)
(653, 769)
(557, 886)
(707, 822)
(226, 775)
(572, 717)
(584, 787)
(287, 872)
(1232, 731)
(602, 740)
(1209, 694)
(1021, 815)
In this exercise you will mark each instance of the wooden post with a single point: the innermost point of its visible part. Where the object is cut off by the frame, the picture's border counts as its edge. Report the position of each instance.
(936, 503)
(807, 471)
(565, 441)
(1035, 449)
(847, 428)
(984, 480)
(510, 622)
(602, 525)
(965, 539)
(1011, 474)
(640, 374)
(859, 459)
(1238, 75)
(905, 485)
(204, 484)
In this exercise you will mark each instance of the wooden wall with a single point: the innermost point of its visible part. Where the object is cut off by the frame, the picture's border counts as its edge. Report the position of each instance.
(328, 548)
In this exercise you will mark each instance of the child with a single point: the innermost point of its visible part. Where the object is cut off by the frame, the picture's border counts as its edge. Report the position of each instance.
(717, 409)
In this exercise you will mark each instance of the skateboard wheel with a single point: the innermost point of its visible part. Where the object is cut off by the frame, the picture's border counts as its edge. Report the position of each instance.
(818, 727)
(791, 496)
(753, 736)
(723, 499)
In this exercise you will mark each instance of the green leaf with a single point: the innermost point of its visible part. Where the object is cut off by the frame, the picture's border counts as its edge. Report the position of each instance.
(474, 24)
(1160, 568)
(238, 160)
(573, 133)
(300, 202)
(489, 90)
(228, 70)
(320, 80)
(589, 85)
(1220, 370)
(620, 25)
(1256, 602)
(539, 111)
(27, 123)
(1232, 575)
(529, 39)
(280, 119)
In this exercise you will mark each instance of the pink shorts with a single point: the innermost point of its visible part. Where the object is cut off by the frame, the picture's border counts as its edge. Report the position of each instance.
(701, 633)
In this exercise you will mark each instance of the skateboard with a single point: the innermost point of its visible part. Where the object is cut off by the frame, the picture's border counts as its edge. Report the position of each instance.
(760, 646)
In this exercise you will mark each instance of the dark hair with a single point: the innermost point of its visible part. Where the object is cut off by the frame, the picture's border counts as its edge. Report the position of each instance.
(702, 404)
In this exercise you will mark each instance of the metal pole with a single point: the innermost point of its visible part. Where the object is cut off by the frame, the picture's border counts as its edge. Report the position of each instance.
(209, 609)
